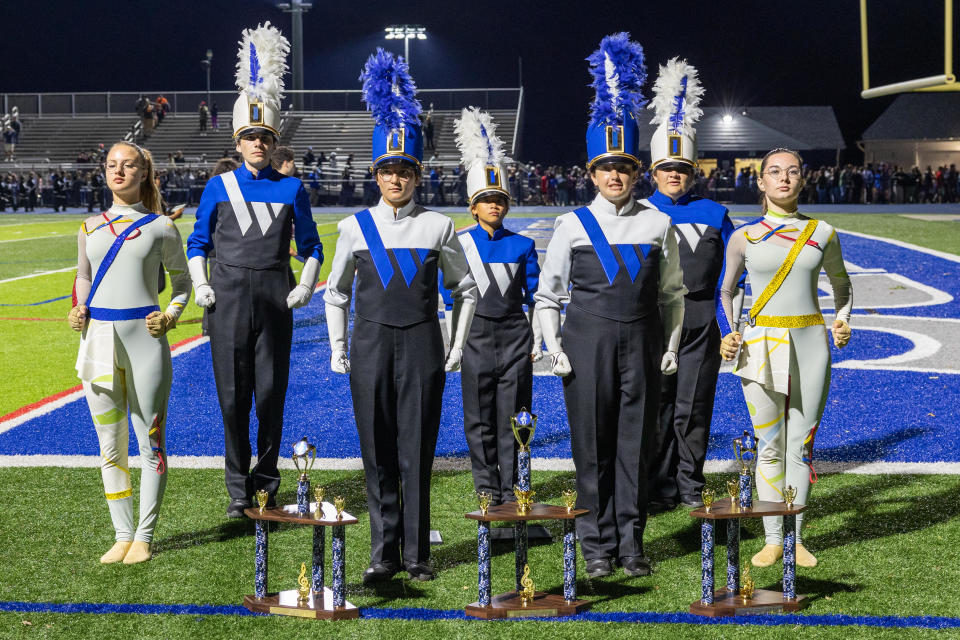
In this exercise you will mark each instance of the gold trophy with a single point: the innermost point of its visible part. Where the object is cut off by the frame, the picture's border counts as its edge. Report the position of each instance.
(746, 591)
(303, 590)
(338, 504)
(318, 495)
(524, 500)
(708, 495)
(262, 498)
(569, 499)
(526, 594)
(524, 425)
(745, 444)
(789, 495)
(306, 454)
(484, 498)
(733, 490)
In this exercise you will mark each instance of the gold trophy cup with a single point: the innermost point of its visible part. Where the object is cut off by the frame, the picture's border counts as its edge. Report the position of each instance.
(524, 425)
(484, 498)
(789, 495)
(304, 454)
(262, 498)
(708, 495)
(569, 499)
(745, 444)
(338, 503)
(746, 590)
(733, 490)
(524, 500)
(318, 495)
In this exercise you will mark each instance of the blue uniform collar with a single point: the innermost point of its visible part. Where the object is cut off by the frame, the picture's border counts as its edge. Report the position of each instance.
(263, 174)
(498, 234)
(659, 199)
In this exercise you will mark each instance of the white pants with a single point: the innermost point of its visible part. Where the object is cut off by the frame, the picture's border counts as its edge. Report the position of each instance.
(785, 424)
(141, 380)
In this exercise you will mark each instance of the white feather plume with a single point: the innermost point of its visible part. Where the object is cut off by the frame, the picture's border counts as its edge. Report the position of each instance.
(477, 139)
(262, 63)
(673, 103)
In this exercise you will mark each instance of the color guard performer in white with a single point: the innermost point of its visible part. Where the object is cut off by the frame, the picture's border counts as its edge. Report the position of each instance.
(615, 262)
(124, 358)
(396, 361)
(784, 353)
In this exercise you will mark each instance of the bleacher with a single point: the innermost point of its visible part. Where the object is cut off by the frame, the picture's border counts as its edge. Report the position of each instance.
(58, 139)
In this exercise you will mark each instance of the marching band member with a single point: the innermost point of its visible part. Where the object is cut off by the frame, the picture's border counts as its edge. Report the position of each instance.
(396, 362)
(784, 355)
(497, 372)
(615, 262)
(702, 227)
(248, 216)
(124, 358)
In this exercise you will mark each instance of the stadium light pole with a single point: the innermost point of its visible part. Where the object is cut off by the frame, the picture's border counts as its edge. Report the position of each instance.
(296, 9)
(205, 63)
(406, 32)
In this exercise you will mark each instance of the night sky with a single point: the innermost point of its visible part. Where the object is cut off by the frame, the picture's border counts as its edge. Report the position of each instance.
(748, 53)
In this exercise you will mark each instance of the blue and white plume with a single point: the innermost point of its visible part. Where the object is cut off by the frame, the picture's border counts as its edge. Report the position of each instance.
(481, 153)
(618, 76)
(261, 65)
(389, 91)
(676, 99)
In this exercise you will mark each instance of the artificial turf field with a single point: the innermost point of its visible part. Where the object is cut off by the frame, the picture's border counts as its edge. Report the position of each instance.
(888, 544)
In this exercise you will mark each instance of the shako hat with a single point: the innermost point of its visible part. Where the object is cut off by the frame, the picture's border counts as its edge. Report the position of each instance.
(618, 75)
(391, 97)
(261, 64)
(481, 153)
(676, 107)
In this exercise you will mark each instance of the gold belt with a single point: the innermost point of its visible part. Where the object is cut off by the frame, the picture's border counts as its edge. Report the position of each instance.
(788, 322)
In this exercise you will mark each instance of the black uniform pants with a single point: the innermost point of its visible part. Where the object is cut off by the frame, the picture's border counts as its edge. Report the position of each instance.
(612, 396)
(497, 380)
(396, 381)
(250, 333)
(686, 410)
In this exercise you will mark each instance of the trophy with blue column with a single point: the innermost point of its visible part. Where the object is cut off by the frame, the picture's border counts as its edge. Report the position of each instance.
(745, 451)
(304, 454)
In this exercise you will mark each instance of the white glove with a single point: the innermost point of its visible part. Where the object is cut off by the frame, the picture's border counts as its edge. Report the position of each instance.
(337, 331)
(536, 353)
(299, 296)
(339, 362)
(454, 359)
(205, 297)
(561, 364)
(668, 365)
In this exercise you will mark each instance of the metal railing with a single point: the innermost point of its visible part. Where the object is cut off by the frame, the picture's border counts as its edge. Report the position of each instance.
(99, 103)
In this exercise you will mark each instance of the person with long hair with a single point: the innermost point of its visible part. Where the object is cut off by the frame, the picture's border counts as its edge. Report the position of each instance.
(124, 358)
(784, 356)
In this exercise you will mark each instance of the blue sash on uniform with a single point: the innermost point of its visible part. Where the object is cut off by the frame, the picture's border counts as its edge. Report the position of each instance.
(600, 244)
(112, 254)
(381, 260)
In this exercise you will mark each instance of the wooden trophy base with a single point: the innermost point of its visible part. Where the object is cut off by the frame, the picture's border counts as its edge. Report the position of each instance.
(544, 605)
(726, 603)
(285, 604)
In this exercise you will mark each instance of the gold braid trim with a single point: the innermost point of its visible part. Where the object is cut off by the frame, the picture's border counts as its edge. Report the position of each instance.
(789, 322)
(782, 272)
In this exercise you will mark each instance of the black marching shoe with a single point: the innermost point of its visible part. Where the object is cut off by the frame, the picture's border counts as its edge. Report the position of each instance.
(657, 506)
(236, 507)
(421, 571)
(636, 566)
(379, 572)
(599, 568)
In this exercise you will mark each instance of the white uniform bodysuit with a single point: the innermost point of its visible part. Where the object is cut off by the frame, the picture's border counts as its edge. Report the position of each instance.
(120, 363)
(784, 361)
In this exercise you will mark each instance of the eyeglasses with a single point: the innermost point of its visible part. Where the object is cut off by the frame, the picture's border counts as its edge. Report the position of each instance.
(388, 173)
(776, 173)
(113, 167)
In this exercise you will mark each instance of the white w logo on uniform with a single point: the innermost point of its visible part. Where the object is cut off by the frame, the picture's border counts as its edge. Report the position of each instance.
(265, 212)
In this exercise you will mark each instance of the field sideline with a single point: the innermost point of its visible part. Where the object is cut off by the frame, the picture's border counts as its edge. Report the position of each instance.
(889, 545)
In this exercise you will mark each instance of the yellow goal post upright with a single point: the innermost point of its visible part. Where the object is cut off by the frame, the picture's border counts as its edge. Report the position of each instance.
(945, 82)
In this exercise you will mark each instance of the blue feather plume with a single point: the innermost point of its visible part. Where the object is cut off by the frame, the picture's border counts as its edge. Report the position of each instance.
(676, 118)
(618, 76)
(254, 66)
(389, 90)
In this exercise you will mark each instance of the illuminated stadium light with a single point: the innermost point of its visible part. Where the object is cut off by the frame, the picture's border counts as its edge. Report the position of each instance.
(406, 32)
(727, 119)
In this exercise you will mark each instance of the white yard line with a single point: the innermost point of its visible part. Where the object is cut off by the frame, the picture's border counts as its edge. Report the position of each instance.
(54, 235)
(37, 275)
